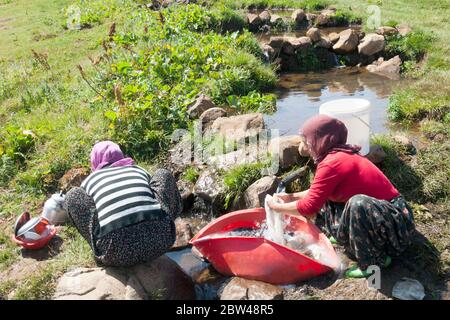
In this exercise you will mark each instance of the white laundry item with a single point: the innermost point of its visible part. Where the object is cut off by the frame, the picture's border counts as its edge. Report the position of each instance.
(275, 223)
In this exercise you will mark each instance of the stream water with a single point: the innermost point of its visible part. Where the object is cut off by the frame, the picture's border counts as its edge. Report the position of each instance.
(301, 94)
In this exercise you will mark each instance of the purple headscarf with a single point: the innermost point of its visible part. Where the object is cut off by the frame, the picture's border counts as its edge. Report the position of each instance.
(324, 135)
(107, 153)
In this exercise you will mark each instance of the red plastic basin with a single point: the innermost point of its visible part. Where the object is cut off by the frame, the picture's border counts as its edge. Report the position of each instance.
(259, 258)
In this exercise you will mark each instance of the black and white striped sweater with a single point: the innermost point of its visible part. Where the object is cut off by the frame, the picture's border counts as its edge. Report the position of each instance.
(122, 196)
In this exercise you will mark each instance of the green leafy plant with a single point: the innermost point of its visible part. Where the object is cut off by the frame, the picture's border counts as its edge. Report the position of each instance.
(412, 46)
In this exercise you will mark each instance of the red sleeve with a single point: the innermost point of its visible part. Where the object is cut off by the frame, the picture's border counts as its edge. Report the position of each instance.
(324, 183)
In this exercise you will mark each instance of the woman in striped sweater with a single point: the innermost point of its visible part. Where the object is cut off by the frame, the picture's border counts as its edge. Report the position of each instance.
(125, 214)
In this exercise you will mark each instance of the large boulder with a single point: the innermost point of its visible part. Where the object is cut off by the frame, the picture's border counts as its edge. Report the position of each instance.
(371, 44)
(159, 279)
(200, 105)
(248, 153)
(333, 37)
(163, 279)
(348, 42)
(276, 19)
(254, 22)
(255, 194)
(265, 17)
(389, 67)
(303, 148)
(293, 44)
(298, 16)
(276, 42)
(325, 18)
(73, 178)
(271, 52)
(313, 34)
(210, 187)
(324, 42)
(184, 233)
(311, 18)
(208, 116)
(287, 149)
(244, 289)
(240, 126)
(387, 31)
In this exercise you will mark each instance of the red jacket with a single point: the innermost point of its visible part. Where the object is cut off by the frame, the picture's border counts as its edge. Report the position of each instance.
(342, 175)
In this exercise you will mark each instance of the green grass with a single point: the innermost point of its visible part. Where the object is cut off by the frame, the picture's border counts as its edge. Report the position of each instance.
(238, 179)
(421, 178)
(191, 174)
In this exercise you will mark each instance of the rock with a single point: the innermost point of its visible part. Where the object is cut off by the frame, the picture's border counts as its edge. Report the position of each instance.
(265, 16)
(209, 186)
(271, 52)
(73, 178)
(354, 59)
(371, 44)
(333, 37)
(184, 233)
(406, 142)
(244, 289)
(187, 194)
(255, 194)
(293, 44)
(163, 279)
(324, 43)
(313, 34)
(302, 148)
(287, 149)
(202, 104)
(311, 18)
(160, 278)
(227, 161)
(325, 18)
(276, 42)
(298, 16)
(403, 29)
(376, 154)
(276, 19)
(238, 127)
(387, 31)
(348, 41)
(392, 66)
(322, 20)
(212, 114)
(91, 284)
(254, 22)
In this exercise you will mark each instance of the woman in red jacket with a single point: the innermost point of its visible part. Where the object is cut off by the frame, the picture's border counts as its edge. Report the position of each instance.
(358, 205)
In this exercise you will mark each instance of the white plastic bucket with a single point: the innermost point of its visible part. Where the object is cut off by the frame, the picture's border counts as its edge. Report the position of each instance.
(355, 113)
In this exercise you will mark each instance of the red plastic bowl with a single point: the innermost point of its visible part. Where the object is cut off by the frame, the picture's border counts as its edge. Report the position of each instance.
(259, 258)
(37, 244)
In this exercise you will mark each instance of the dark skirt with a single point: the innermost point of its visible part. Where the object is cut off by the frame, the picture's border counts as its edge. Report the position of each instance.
(136, 243)
(369, 229)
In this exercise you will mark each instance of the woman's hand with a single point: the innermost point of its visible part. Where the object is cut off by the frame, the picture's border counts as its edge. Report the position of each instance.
(283, 197)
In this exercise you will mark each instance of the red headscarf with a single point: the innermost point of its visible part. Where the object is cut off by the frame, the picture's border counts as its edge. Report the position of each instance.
(325, 134)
